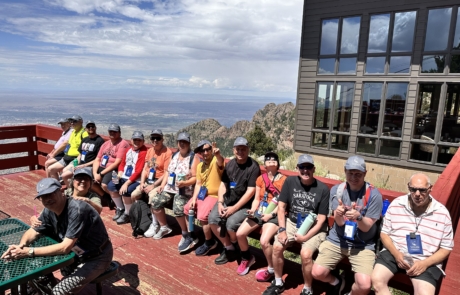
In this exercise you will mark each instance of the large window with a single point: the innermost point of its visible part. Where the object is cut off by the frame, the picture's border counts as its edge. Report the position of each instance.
(333, 109)
(382, 116)
(383, 56)
(339, 46)
(441, 51)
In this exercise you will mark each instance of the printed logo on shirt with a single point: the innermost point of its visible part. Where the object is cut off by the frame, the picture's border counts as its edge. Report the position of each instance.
(152, 162)
(302, 200)
(87, 147)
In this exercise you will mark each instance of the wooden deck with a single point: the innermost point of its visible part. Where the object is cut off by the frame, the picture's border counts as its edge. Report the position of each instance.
(150, 266)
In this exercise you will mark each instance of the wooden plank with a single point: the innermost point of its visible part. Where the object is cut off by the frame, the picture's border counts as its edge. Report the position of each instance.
(48, 132)
(18, 162)
(41, 160)
(17, 147)
(13, 132)
(44, 147)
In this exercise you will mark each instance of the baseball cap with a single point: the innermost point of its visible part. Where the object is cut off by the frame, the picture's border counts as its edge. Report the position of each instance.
(76, 118)
(201, 144)
(85, 170)
(47, 186)
(90, 122)
(355, 163)
(114, 127)
(305, 159)
(63, 120)
(272, 154)
(240, 141)
(137, 135)
(156, 131)
(183, 136)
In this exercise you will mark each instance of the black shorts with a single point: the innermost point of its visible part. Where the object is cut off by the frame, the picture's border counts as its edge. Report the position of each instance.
(431, 275)
(59, 156)
(106, 178)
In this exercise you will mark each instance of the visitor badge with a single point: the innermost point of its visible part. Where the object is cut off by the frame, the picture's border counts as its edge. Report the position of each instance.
(129, 170)
(78, 250)
(414, 244)
(350, 230)
(83, 156)
(67, 147)
(300, 218)
(232, 184)
(171, 179)
(104, 161)
(202, 193)
(151, 174)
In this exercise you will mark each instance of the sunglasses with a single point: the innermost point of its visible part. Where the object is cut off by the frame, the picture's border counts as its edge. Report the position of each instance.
(270, 159)
(91, 126)
(156, 138)
(206, 150)
(305, 167)
(415, 189)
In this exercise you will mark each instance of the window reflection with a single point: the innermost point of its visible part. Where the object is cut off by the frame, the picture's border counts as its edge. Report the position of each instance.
(350, 35)
(378, 33)
(395, 104)
(455, 64)
(399, 64)
(366, 145)
(427, 112)
(329, 33)
(390, 148)
(339, 142)
(320, 139)
(422, 151)
(433, 64)
(437, 31)
(347, 66)
(326, 66)
(375, 65)
(403, 31)
(446, 153)
(450, 131)
(457, 32)
(343, 106)
(323, 105)
(369, 121)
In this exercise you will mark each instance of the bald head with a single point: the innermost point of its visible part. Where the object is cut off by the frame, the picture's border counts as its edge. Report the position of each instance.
(419, 180)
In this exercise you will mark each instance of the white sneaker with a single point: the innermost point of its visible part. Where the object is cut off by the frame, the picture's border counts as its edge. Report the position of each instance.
(182, 239)
(162, 232)
(153, 229)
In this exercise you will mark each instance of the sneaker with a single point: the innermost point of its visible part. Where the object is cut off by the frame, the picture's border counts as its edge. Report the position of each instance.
(273, 289)
(264, 275)
(204, 249)
(244, 266)
(153, 229)
(162, 232)
(182, 239)
(118, 213)
(188, 244)
(123, 219)
(337, 289)
(222, 258)
(305, 292)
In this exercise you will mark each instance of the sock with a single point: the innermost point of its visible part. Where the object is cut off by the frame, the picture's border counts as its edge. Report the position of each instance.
(119, 203)
(279, 281)
(235, 244)
(308, 289)
(154, 219)
(209, 243)
(246, 255)
(336, 281)
(164, 226)
(230, 248)
(271, 269)
(184, 233)
(127, 207)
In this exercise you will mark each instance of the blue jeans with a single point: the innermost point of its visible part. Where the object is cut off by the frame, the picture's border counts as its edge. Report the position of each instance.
(116, 187)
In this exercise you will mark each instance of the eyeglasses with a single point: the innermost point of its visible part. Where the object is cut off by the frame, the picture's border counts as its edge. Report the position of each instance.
(305, 167)
(415, 189)
(203, 150)
(137, 139)
(156, 138)
(91, 127)
(81, 177)
(270, 159)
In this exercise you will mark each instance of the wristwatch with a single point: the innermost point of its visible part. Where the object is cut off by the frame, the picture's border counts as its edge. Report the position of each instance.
(359, 218)
(31, 252)
(273, 214)
(281, 229)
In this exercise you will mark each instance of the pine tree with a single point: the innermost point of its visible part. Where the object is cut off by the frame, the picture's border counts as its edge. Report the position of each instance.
(259, 142)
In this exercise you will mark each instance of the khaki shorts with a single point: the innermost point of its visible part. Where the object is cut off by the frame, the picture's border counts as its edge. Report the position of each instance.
(312, 244)
(139, 190)
(361, 260)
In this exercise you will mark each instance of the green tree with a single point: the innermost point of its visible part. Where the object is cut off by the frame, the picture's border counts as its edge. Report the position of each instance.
(259, 142)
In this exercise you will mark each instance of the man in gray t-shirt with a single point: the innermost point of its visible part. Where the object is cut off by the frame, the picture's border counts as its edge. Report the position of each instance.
(356, 206)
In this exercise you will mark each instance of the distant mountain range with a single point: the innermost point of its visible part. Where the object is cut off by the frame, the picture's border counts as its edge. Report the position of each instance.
(277, 121)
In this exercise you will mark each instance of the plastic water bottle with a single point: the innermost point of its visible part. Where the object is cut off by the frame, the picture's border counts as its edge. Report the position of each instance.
(272, 205)
(263, 205)
(75, 162)
(191, 219)
(181, 177)
(306, 224)
(114, 177)
(385, 205)
(408, 258)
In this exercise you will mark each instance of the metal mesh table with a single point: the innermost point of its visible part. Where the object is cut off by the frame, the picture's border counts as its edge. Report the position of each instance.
(16, 272)
(3, 215)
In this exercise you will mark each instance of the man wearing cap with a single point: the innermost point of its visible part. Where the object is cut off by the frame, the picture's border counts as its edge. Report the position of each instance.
(108, 158)
(75, 140)
(60, 146)
(417, 235)
(208, 178)
(235, 195)
(77, 227)
(156, 162)
(88, 150)
(300, 196)
(356, 206)
(129, 175)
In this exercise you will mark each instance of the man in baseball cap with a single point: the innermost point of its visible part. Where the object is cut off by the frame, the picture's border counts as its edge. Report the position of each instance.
(59, 147)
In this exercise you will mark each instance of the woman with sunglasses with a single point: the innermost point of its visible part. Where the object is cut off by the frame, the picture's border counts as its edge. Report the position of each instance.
(268, 187)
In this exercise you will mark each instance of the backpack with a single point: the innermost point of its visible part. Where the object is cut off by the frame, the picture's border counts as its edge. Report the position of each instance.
(192, 156)
(141, 217)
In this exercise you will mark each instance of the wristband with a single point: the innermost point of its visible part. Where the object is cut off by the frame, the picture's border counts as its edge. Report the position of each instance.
(220, 202)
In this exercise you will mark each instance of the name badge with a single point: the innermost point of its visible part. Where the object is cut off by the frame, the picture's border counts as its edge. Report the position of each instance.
(203, 192)
(232, 184)
(104, 161)
(172, 179)
(67, 147)
(83, 156)
(151, 174)
(350, 230)
(414, 244)
(129, 170)
(78, 250)
(300, 219)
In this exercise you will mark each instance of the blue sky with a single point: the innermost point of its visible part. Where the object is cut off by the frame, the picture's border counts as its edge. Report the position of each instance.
(186, 46)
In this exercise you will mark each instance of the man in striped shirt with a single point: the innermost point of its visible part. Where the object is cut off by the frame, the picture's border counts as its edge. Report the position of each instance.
(417, 236)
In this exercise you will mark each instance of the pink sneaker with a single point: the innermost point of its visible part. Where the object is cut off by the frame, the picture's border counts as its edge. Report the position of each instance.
(263, 275)
(244, 266)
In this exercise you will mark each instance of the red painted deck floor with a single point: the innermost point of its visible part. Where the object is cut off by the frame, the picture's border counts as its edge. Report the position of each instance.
(150, 266)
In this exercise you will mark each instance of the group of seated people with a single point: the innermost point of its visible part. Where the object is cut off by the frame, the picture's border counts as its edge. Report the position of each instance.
(231, 200)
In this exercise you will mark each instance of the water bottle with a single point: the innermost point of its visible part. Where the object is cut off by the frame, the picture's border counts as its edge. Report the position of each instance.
(114, 177)
(191, 219)
(263, 205)
(272, 205)
(181, 177)
(75, 162)
(306, 224)
(408, 258)
(385, 205)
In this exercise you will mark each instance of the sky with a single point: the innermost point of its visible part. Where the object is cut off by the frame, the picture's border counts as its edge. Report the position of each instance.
(228, 47)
